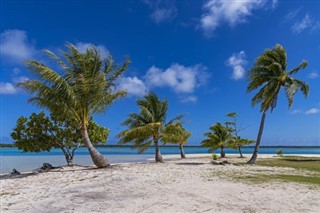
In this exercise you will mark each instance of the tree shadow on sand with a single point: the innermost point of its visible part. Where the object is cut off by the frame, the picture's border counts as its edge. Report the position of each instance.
(190, 163)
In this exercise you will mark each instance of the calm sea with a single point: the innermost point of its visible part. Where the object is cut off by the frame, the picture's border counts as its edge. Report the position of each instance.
(14, 158)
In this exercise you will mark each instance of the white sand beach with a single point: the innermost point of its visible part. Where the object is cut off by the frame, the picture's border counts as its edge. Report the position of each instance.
(189, 185)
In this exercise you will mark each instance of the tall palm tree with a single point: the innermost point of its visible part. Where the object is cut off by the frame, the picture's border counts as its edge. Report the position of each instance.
(218, 137)
(269, 74)
(179, 135)
(149, 125)
(84, 86)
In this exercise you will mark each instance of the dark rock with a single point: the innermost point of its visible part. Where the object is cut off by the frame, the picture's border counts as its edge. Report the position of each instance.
(15, 172)
(47, 166)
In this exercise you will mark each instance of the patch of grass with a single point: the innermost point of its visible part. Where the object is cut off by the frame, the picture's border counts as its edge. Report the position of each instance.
(303, 166)
(315, 180)
(307, 163)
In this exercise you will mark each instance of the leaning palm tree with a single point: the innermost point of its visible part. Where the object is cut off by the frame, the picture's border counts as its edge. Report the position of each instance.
(218, 137)
(270, 74)
(84, 86)
(149, 125)
(179, 135)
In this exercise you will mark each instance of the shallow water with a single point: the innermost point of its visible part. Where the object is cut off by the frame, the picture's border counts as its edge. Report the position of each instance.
(13, 158)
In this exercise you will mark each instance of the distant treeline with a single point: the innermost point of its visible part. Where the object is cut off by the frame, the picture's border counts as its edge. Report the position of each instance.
(129, 146)
(7, 145)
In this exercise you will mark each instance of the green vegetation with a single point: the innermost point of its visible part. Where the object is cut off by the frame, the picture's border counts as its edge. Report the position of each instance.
(222, 136)
(306, 163)
(237, 142)
(41, 133)
(270, 74)
(84, 86)
(218, 137)
(148, 126)
(261, 178)
(180, 136)
(306, 170)
(214, 157)
(280, 152)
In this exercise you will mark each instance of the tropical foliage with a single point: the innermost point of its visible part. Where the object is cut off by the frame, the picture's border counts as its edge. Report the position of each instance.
(82, 87)
(268, 75)
(218, 137)
(237, 142)
(42, 133)
(180, 135)
(149, 126)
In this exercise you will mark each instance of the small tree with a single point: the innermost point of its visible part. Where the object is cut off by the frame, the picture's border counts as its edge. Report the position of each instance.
(179, 136)
(149, 125)
(41, 133)
(218, 137)
(237, 141)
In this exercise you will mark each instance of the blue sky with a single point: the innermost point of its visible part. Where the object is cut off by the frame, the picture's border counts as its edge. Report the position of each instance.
(194, 53)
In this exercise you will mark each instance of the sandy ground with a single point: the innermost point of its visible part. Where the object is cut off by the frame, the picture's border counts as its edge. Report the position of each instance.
(190, 185)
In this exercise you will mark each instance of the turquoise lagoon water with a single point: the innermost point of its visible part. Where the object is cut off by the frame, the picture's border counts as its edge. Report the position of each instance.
(13, 158)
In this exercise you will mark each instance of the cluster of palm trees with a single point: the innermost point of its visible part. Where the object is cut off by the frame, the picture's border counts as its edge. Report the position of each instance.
(222, 136)
(149, 126)
(86, 85)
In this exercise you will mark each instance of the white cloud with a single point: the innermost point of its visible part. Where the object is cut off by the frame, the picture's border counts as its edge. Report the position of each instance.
(237, 61)
(312, 111)
(162, 10)
(10, 88)
(20, 79)
(303, 24)
(82, 47)
(133, 85)
(189, 99)
(274, 3)
(292, 14)
(16, 46)
(296, 111)
(230, 12)
(163, 14)
(180, 78)
(7, 88)
(313, 75)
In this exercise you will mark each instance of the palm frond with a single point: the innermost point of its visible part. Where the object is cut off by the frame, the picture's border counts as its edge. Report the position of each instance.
(302, 65)
(269, 75)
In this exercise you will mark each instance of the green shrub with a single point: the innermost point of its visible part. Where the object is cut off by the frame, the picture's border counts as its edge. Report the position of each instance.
(215, 157)
(280, 153)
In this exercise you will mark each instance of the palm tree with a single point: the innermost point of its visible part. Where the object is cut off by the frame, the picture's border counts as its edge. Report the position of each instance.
(218, 137)
(270, 74)
(149, 125)
(84, 86)
(179, 135)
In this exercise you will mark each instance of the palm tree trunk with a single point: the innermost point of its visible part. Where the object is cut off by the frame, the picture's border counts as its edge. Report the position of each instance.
(158, 156)
(183, 155)
(99, 160)
(256, 148)
(223, 154)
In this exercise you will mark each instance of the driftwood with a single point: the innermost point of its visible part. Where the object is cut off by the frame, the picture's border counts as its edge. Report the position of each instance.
(214, 162)
(45, 168)
(15, 172)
